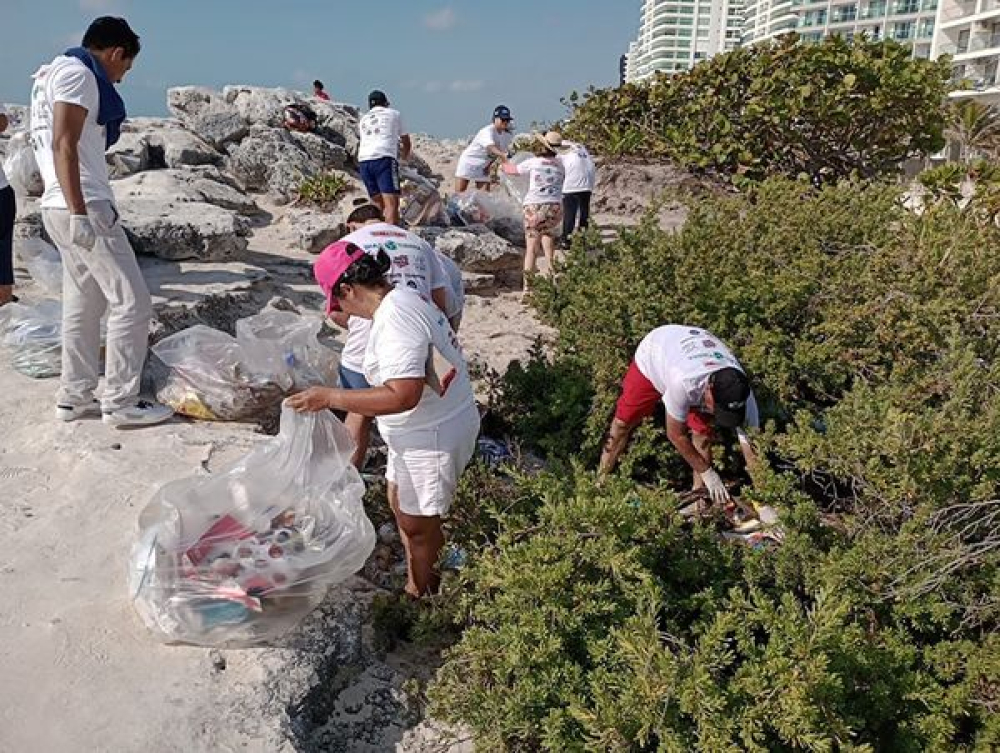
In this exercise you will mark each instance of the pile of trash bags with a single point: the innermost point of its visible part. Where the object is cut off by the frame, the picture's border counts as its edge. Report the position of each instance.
(420, 202)
(240, 557)
(213, 376)
(33, 337)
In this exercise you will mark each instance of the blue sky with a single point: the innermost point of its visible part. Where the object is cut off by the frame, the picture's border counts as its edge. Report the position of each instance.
(443, 64)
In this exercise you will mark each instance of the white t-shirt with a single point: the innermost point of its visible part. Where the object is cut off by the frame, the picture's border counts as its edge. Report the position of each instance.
(415, 266)
(411, 338)
(381, 129)
(581, 171)
(3, 177)
(545, 180)
(475, 153)
(68, 80)
(678, 360)
(455, 292)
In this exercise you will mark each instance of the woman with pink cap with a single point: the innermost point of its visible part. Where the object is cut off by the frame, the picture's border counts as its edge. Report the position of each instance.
(429, 425)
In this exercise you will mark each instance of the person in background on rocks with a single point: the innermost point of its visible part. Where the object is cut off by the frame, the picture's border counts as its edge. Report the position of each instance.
(429, 425)
(581, 173)
(702, 386)
(318, 91)
(384, 141)
(76, 114)
(8, 211)
(488, 147)
(543, 200)
(414, 265)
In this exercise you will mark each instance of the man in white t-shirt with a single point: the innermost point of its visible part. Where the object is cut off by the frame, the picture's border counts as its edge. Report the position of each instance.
(701, 385)
(488, 147)
(384, 141)
(8, 211)
(76, 114)
(415, 266)
(578, 185)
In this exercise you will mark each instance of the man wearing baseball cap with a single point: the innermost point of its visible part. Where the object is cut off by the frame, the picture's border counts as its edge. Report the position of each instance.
(489, 146)
(384, 141)
(701, 385)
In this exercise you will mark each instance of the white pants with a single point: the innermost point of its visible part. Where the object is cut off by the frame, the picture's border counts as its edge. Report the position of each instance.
(105, 277)
(425, 464)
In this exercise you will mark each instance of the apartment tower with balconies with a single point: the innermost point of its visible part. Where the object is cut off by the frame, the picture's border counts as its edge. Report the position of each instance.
(969, 31)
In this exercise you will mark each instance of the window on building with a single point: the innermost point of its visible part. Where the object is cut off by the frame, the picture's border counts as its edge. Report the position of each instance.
(963, 42)
(902, 30)
(906, 6)
(843, 13)
(926, 29)
(929, 5)
(874, 9)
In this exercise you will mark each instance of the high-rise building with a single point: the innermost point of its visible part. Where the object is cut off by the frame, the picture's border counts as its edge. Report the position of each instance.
(766, 19)
(676, 34)
(969, 31)
(909, 22)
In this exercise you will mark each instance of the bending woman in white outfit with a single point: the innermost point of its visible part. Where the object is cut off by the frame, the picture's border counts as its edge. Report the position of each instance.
(429, 424)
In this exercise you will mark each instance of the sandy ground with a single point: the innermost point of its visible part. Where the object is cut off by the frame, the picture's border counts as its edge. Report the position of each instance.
(81, 672)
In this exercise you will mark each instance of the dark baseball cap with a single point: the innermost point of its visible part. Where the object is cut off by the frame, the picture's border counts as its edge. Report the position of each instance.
(730, 390)
(502, 112)
(378, 99)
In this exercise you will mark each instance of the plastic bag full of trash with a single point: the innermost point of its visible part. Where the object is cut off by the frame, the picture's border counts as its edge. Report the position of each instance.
(43, 262)
(21, 168)
(287, 344)
(33, 336)
(207, 377)
(242, 556)
(516, 186)
(474, 207)
(420, 202)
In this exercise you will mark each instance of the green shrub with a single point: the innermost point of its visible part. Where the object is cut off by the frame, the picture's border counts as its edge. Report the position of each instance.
(323, 189)
(827, 111)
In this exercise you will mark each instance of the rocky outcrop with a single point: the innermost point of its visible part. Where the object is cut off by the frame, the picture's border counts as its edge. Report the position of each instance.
(194, 184)
(475, 248)
(206, 112)
(314, 229)
(176, 230)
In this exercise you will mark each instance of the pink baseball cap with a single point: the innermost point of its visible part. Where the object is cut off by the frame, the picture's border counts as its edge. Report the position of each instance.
(333, 261)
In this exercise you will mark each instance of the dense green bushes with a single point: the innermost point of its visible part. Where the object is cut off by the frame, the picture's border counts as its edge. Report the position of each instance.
(828, 111)
(595, 621)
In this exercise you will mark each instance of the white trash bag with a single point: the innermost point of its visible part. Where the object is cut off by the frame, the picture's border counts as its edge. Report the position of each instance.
(207, 377)
(21, 168)
(240, 557)
(43, 262)
(285, 343)
(516, 186)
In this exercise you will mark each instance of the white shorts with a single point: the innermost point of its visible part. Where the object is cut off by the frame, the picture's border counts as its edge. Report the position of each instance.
(472, 169)
(425, 465)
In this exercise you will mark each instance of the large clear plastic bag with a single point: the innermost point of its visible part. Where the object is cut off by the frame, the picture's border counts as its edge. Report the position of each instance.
(420, 202)
(240, 557)
(287, 344)
(21, 168)
(516, 186)
(43, 263)
(208, 378)
(474, 207)
(33, 336)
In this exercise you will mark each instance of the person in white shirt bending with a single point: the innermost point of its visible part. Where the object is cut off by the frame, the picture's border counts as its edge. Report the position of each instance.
(384, 142)
(429, 424)
(414, 265)
(543, 200)
(76, 114)
(488, 148)
(702, 386)
(581, 173)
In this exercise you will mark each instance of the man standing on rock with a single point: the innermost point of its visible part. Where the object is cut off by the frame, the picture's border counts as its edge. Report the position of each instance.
(581, 174)
(76, 114)
(415, 265)
(384, 141)
(702, 386)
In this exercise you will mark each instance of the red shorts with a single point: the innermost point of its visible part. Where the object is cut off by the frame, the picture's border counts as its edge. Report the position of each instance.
(639, 398)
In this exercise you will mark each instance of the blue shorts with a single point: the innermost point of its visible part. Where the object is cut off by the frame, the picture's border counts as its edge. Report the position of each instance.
(380, 175)
(352, 380)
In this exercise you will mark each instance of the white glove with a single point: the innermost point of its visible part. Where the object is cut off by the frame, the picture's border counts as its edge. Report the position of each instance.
(713, 483)
(81, 231)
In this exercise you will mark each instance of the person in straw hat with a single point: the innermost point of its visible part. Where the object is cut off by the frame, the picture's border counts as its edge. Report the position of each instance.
(543, 200)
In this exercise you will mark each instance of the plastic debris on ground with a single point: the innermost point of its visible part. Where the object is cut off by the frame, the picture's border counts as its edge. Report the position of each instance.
(493, 451)
(213, 376)
(33, 336)
(242, 556)
(420, 201)
(475, 207)
(757, 526)
(43, 262)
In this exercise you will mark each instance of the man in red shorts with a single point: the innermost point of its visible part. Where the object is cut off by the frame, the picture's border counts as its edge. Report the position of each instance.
(702, 386)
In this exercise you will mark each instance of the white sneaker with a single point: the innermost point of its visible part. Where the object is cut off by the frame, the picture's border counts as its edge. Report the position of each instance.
(67, 412)
(143, 413)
